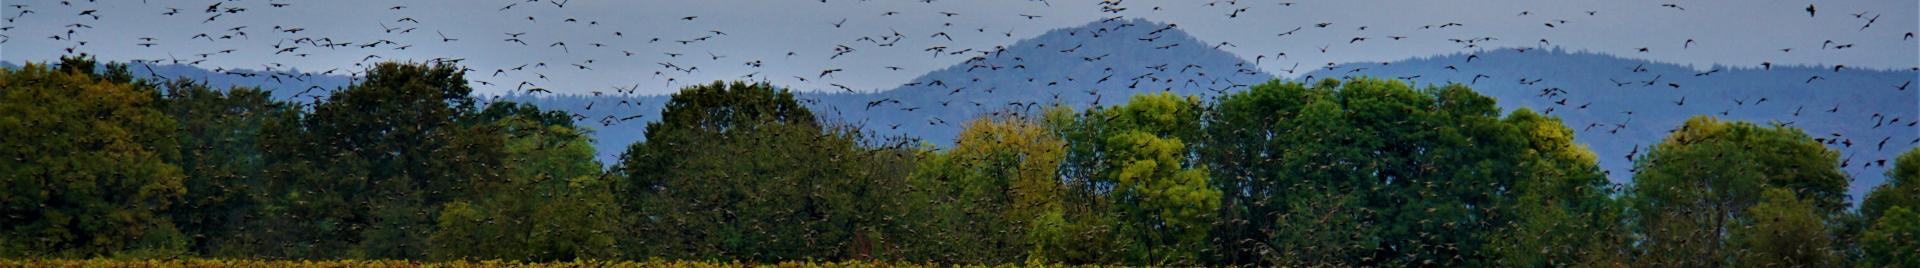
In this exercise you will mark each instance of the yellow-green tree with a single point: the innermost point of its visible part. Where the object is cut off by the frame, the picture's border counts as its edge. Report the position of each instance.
(1159, 192)
(1563, 210)
(983, 195)
(84, 171)
(1698, 184)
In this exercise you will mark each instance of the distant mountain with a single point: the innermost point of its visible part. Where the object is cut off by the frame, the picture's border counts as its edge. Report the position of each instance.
(1103, 62)
(1615, 104)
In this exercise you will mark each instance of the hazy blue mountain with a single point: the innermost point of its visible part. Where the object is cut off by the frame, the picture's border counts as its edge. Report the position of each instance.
(1102, 62)
(1861, 107)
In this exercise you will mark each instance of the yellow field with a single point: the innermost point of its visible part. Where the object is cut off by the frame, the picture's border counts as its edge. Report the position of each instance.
(453, 264)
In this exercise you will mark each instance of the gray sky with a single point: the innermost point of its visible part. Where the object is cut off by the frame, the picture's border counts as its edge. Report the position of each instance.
(1743, 33)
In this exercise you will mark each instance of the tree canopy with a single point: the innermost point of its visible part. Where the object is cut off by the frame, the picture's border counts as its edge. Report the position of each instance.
(410, 164)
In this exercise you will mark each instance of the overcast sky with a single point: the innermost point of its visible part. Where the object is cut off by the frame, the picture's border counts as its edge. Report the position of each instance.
(1743, 33)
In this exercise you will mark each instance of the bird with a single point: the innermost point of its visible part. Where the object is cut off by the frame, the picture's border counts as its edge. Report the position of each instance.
(1810, 10)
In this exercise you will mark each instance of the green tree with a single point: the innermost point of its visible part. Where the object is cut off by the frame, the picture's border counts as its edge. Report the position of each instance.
(1563, 213)
(1695, 186)
(1782, 230)
(743, 171)
(1901, 189)
(1374, 172)
(1892, 235)
(554, 203)
(86, 172)
(1893, 241)
(1082, 231)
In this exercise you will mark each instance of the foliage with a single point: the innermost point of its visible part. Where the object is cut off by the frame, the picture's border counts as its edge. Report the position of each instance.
(219, 136)
(1892, 237)
(1782, 230)
(1373, 172)
(1697, 185)
(986, 196)
(554, 204)
(742, 171)
(1161, 198)
(1893, 240)
(85, 173)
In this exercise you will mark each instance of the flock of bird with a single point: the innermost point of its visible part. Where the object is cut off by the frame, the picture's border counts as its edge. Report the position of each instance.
(296, 43)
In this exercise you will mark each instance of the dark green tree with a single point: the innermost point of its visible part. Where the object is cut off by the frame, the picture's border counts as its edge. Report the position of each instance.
(1901, 189)
(367, 169)
(1782, 230)
(744, 172)
(219, 137)
(554, 204)
(1892, 213)
(1374, 172)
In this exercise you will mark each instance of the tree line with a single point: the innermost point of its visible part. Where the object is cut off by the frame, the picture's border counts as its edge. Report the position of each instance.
(407, 164)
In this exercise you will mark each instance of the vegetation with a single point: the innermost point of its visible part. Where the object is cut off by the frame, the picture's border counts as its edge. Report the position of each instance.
(103, 170)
